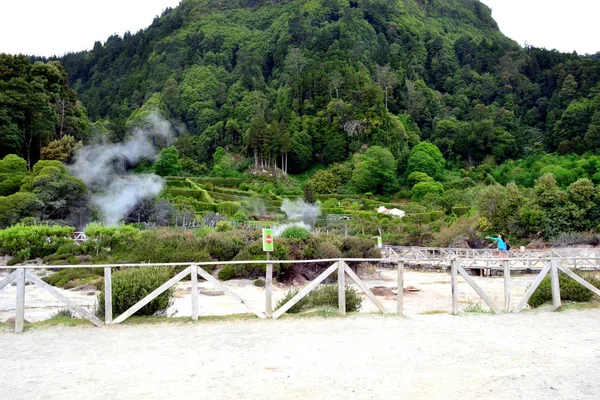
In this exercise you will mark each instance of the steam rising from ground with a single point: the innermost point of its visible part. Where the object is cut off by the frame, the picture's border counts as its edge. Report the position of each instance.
(299, 210)
(302, 213)
(103, 167)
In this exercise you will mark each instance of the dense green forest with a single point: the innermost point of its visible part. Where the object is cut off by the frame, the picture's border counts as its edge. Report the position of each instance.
(421, 105)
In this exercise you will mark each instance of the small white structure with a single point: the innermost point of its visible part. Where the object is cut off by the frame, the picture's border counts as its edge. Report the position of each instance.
(394, 211)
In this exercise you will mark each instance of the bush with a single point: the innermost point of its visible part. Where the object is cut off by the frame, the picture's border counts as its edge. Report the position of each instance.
(27, 242)
(327, 250)
(260, 283)
(421, 189)
(296, 308)
(327, 296)
(64, 313)
(573, 239)
(69, 248)
(240, 217)
(295, 232)
(224, 226)
(459, 211)
(228, 207)
(357, 247)
(131, 285)
(222, 246)
(322, 296)
(164, 245)
(227, 273)
(69, 278)
(108, 237)
(417, 176)
(570, 290)
(254, 251)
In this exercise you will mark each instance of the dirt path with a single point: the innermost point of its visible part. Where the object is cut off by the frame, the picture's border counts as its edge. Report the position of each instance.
(529, 356)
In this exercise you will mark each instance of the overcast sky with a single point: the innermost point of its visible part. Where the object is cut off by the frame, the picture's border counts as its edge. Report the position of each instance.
(55, 27)
(554, 24)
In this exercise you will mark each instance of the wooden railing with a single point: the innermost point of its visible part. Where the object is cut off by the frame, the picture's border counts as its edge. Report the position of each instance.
(550, 265)
(546, 264)
(439, 253)
(25, 273)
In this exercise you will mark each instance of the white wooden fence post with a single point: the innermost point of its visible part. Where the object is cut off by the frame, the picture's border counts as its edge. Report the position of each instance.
(454, 288)
(506, 286)
(108, 305)
(269, 291)
(555, 286)
(194, 272)
(20, 317)
(400, 290)
(341, 288)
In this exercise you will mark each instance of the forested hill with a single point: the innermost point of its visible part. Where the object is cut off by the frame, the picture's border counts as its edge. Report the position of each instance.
(321, 79)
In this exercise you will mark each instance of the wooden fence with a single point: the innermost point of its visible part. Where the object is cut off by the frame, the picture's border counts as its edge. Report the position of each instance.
(458, 266)
(23, 274)
(550, 265)
(436, 256)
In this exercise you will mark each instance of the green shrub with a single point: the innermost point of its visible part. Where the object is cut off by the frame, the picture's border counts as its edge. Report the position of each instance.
(295, 232)
(71, 277)
(69, 248)
(64, 313)
(131, 285)
(570, 290)
(27, 242)
(223, 246)
(164, 245)
(296, 308)
(260, 283)
(461, 210)
(254, 251)
(228, 207)
(228, 182)
(227, 273)
(224, 226)
(418, 176)
(200, 195)
(240, 217)
(425, 218)
(322, 296)
(421, 189)
(357, 247)
(324, 250)
(327, 296)
(108, 238)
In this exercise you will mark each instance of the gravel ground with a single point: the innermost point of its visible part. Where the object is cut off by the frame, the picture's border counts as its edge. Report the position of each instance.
(534, 355)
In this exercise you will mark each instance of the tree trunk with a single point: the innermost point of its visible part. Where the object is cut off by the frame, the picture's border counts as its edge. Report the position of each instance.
(63, 104)
(386, 98)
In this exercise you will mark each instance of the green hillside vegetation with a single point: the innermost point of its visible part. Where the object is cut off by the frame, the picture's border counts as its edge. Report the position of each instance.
(421, 105)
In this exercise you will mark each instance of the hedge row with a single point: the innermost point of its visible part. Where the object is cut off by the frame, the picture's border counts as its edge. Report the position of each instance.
(199, 195)
(177, 184)
(425, 218)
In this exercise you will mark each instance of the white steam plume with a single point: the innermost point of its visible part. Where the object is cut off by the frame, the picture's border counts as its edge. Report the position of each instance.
(299, 210)
(103, 167)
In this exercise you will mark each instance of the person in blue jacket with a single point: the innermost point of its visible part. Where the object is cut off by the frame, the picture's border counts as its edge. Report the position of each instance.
(501, 241)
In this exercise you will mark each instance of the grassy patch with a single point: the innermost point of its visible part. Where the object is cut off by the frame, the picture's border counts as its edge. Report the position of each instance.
(73, 277)
(433, 312)
(54, 321)
(579, 306)
(476, 308)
